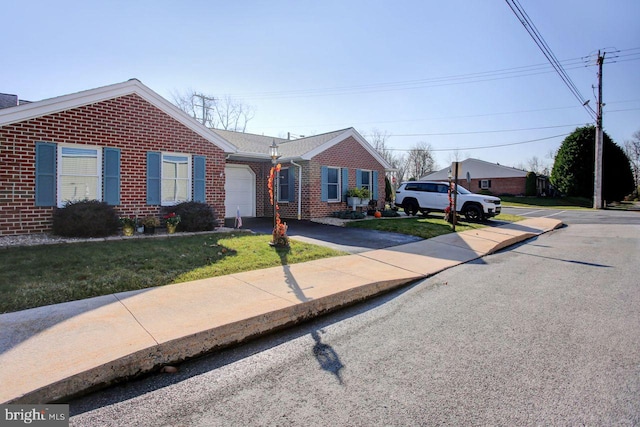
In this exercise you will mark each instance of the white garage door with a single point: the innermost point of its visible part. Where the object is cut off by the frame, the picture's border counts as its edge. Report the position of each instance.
(240, 188)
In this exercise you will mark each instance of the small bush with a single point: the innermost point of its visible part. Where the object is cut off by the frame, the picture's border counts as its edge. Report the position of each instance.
(195, 216)
(86, 218)
(390, 213)
(531, 184)
(348, 215)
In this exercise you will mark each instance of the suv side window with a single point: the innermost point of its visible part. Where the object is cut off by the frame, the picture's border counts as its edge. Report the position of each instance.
(431, 187)
(411, 186)
(442, 188)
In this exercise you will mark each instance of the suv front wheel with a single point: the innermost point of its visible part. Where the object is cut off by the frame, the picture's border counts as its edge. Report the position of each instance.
(411, 208)
(473, 213)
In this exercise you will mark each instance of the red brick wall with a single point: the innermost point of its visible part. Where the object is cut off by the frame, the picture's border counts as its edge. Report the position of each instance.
(129, 123)
(347, 154)
(499, 186)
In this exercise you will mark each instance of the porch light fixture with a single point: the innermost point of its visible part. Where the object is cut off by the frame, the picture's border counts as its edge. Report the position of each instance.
(273, 152)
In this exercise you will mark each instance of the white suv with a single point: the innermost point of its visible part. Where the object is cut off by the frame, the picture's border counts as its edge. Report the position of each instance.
(427, 196)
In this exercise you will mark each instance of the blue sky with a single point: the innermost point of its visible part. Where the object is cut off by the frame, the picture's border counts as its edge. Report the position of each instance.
(446, 73)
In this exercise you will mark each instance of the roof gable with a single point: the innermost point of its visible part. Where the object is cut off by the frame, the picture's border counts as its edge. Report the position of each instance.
(66, 102)
(479, 169)
(257, 146)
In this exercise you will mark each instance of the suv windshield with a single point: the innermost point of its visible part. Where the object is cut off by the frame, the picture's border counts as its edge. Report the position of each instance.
(462, 190)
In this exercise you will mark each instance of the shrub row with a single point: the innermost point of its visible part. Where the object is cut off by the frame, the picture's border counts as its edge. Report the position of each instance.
(92, 218)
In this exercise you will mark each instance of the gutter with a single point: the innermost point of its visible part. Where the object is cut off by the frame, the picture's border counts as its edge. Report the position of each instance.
(299, 188)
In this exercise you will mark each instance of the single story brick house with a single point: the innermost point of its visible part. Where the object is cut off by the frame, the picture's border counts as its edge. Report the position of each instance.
(122, 144)
(486, 176)
(129, 147)
(316, 173)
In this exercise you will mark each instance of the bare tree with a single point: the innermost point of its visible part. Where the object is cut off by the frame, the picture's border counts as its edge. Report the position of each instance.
(538, 166)
(457, 156)
(397, 161)
(632, 150)
(215, 112)
(420, 160)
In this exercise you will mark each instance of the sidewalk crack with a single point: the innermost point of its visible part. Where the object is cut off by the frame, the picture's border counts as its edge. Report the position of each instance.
(136, 319)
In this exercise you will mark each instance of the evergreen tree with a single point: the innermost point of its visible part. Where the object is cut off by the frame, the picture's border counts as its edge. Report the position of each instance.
(573, 168)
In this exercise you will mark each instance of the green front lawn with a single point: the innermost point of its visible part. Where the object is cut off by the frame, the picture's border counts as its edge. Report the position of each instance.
(34, 276)
(426, 227)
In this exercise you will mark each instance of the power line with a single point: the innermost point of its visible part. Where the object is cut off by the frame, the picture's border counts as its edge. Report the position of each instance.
(526, 22)
(483, 147)
(483, 131)
(501, 113)
(477, 77)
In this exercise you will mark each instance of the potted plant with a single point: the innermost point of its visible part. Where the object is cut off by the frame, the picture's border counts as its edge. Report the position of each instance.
(150, 223)
(172, 221)
(354, 196)
(365, 196)
(128, 225)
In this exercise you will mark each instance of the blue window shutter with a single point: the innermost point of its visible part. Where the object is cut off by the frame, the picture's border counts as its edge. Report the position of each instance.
(46, 153)
(345, 183)
(324, 178)
(359, 178)
(153, 177)
(292, 184)
(374, 185)
(199, 179)
(374, 194)
(111, 173)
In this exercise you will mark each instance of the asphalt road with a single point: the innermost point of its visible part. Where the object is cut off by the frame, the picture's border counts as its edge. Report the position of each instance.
(545, 333)
(582, 216)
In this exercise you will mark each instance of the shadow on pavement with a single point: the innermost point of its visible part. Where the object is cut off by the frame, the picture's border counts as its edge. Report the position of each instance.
(351, 240)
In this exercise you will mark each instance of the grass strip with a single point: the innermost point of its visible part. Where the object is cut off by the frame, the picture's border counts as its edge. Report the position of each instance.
(35, 276)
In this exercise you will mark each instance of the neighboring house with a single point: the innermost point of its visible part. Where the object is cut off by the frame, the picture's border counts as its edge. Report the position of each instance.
(316, 173)
(129, 147)
(485, 176)
(122, 144)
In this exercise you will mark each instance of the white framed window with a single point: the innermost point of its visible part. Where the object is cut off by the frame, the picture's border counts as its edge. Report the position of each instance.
(79, 173)
(176, 178)
(283, 185)
(333, 184)
(485, 184)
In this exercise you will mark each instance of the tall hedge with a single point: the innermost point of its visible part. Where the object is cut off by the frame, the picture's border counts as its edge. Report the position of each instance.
(573, 168)
(531, 187)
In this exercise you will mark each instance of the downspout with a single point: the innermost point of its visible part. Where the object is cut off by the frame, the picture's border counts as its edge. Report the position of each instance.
(299, 188)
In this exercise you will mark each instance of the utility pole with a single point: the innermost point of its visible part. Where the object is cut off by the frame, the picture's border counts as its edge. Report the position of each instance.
(204, 99)
(597, 183)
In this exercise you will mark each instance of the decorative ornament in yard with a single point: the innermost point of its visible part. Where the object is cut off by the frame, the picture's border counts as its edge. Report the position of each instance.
(280, 238)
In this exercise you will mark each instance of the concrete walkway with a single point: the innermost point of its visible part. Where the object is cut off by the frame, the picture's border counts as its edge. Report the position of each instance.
(55, 352)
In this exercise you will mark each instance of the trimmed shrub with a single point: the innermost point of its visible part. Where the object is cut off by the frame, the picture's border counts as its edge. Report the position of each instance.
(530, 186)
(195, 216)
(388, 190)
(390, 213)
(86, 218)
(348, 215)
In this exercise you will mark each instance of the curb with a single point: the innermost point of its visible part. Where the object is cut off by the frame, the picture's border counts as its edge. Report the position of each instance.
(154, 358)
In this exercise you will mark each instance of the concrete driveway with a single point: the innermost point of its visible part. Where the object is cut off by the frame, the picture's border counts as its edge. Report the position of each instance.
(351, 240)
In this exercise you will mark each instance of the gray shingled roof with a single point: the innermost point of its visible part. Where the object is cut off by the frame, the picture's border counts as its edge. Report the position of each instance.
(479, 169)
(258, 144)
(8, 100)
